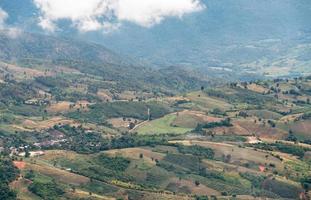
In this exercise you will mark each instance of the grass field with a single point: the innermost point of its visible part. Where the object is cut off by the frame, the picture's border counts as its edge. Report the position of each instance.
(207, 103)
(162, 126)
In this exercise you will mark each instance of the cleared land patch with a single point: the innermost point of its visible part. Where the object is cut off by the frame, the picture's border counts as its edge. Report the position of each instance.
(136, 153)
(46, 124)
(190, 119)
(208, 103)
(161, 126)
(61, 175)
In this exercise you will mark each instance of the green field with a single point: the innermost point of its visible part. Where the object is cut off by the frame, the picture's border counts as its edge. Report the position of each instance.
(162, 126)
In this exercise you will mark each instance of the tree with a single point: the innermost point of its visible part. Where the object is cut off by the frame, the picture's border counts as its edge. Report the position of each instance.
(197, 183)
(291, 136)
(6, 193)
(27, 153)
(131, 125)
(201, 198)
(8, 173)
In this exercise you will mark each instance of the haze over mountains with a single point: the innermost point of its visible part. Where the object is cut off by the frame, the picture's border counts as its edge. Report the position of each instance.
(216, 36)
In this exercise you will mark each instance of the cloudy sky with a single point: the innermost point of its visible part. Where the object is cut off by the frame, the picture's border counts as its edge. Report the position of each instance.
(94, 15)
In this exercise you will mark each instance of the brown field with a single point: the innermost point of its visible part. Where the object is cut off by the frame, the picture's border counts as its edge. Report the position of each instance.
(197, 190)
(46, 124)
(120, 123)
(59, 107)
(56, 154)
(236, 129)
(257, 88)
(20, 128)
(64, 106)
(82, 88)
(190, 119)
(19, 164)
(127, 95)
(220, 166)
(258, 129)
(104, 95)
(23, 73)
(85, 195)
(299, 144)
(302, 128)
(290, 118)
(238, 155)
(159, 196)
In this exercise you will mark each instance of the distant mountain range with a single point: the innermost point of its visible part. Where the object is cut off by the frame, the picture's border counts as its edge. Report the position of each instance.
(235, 38)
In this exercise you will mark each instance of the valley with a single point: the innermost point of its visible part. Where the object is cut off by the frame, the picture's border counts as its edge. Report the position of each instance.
(73, 135)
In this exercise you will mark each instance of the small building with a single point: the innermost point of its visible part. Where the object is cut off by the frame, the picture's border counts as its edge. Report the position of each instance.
(33, 153)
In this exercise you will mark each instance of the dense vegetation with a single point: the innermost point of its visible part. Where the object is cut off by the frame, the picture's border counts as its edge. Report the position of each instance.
(8, 173)
(197, 151)
(285, 148)
(47, 191)
(100, 112)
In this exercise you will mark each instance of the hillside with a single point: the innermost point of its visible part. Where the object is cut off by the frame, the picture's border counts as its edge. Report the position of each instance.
(238, 140)
(41, 53)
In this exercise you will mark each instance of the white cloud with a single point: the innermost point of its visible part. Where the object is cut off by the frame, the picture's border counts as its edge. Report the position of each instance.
(13, 32)
(9, 31)
(3, 17)
(89, 15)
(150, 12)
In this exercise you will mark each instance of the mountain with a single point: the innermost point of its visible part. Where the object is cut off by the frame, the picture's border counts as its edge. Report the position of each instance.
(227, 34)
(48, 52)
